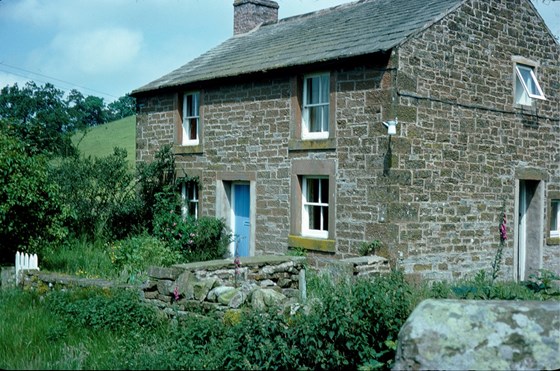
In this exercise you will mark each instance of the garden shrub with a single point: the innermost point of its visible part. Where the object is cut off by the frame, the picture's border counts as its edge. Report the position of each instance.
(31, 210)
(98, 192)
(483, 287)
(135, 254)
(347, 324)
(103, 309)
(545, 283)
(155, 178)
(199, 239)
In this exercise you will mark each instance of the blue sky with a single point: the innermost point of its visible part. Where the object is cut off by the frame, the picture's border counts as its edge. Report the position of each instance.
(108, 48)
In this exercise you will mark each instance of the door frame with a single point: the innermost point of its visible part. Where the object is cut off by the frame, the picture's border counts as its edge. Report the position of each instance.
(530, 225)
(233, 218)
(224, 203)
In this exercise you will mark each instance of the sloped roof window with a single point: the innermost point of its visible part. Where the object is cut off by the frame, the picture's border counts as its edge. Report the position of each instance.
(526, 85)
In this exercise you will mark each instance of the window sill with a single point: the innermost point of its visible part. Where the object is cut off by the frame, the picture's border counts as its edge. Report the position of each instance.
(311, 144)
(311, 243)
(551, 241)
(187, 150)
(529, 108)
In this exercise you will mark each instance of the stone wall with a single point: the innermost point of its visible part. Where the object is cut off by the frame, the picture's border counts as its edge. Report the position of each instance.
(433, 194)
(154, 126)
(218, 285)
(213, 286)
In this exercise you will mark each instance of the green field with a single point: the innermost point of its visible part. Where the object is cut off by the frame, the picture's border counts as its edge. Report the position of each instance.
(100, 141)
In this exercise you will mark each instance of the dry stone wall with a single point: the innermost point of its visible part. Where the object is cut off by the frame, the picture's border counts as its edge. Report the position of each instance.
(215, 286)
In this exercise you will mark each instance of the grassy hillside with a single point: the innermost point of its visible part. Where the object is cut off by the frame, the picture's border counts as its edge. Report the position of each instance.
(100, 140)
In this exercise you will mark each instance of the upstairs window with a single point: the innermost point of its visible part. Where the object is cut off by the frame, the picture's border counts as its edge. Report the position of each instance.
(527, 87)
(191, 118)
(315, 202)
(555, 218)
(189, 197)
(315, 110)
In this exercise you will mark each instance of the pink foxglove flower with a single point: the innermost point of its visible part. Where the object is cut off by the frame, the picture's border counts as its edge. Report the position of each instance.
(503, 229)
(237, 263)
(176, 293)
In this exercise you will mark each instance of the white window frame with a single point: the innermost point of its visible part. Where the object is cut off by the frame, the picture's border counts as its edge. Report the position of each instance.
(189, 196)
(305, 227)
(555, 218)
(526, 89)
(188, 117)
(323, 102)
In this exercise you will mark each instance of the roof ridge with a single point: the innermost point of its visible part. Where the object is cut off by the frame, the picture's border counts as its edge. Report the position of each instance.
(343, 31)
(317, 12)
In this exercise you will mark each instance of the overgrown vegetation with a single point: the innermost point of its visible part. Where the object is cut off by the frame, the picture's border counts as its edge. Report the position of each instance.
(32, 213)
(54, 202)
(344, 324)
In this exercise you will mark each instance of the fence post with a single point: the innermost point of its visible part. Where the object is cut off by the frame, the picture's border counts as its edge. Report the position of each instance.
(24, 262)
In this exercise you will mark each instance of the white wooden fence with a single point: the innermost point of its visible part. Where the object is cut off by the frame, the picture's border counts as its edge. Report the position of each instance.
(25, 261)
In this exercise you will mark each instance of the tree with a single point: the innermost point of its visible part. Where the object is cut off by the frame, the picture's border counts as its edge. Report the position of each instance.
(37, 116)
(95, 190)
(95, 113)
(75, 103)
(123, 107)
(31, 214)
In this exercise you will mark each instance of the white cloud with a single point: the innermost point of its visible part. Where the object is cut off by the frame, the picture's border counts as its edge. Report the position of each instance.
(98, 51)
(7, 78)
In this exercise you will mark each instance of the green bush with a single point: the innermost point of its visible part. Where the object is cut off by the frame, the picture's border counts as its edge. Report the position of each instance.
(135, 254)
(155, 178)
(346, 324)
(31, 211)
(199, 239)
(369, 248)
(545, 283)
(103, 309)
(98, 192)
(483, 287)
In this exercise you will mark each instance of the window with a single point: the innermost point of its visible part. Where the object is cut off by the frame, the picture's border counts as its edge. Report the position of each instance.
(315, 202)
(315, 110)
(191, 118)
(527, 87)
(313, 205)
(189, 197)
(555, 218)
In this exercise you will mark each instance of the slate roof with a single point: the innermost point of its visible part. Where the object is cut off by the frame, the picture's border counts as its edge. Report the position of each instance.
(348, 30)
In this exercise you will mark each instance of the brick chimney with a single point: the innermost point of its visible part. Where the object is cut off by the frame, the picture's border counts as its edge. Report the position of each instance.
(248, 14)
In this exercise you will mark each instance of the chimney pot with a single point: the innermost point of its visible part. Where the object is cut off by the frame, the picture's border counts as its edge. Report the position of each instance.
(248, 14)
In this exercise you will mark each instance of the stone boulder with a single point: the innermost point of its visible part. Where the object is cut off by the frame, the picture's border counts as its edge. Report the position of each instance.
(203, 287)
(480, 335)
(263, 298)
(217, 292)
(226, 296)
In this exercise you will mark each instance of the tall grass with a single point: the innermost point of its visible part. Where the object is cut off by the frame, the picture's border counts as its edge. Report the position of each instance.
(81, 258)
(34, 338)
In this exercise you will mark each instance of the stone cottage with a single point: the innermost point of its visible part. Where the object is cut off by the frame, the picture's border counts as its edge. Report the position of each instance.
(421, 124)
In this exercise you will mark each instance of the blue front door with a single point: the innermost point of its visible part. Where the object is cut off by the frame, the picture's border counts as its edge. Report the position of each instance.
(241, 215)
